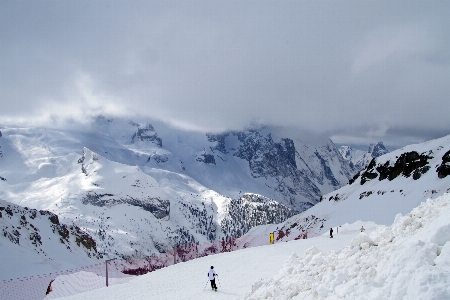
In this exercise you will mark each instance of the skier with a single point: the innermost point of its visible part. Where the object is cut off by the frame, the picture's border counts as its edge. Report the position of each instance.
(362, 229)
(211, 277)
(331, 232)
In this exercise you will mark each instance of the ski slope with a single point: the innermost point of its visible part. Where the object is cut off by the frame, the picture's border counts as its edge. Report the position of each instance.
(237, 271)
(408, 260)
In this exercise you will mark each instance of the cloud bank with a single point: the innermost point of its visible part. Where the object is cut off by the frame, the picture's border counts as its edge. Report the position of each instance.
(357, 71)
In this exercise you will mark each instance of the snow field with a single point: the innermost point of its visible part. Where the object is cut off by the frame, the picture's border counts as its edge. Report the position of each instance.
(237, 271)
(408, 260)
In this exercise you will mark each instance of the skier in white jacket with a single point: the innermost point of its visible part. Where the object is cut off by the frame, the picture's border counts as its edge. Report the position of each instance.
(211, 277)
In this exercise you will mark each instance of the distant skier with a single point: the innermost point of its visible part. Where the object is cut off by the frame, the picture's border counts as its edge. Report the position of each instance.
(331, 232)
(362, 229)
(211, 275)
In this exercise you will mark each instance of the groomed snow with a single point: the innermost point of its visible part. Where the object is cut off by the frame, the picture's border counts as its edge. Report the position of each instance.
(237, 272)
(407, 260)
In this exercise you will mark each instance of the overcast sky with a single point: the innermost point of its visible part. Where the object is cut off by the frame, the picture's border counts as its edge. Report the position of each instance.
(358, 71)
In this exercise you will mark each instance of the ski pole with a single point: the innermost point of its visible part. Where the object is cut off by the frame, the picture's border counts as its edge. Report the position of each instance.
(206, 285)
(218, 281)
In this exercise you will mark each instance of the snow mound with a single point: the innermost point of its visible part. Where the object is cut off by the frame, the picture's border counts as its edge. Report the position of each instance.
(408, 260)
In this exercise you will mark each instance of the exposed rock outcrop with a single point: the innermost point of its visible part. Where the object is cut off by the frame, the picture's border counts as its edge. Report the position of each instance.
(409, 163)
(207, 159)
(360, 159)
(146, 133)
(444, 169)
(160, 208)
(276, 161)
(18, 228)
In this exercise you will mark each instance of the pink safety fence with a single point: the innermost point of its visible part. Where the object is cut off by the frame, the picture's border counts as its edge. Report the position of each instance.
(112, 272)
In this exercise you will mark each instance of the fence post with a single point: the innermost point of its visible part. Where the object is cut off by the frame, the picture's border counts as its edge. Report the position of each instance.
(106, 263)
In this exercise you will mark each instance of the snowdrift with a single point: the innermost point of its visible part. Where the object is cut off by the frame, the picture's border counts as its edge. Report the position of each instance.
(408, 260)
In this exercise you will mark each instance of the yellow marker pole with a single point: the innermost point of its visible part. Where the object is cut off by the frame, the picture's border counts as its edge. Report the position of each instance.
(271, 238)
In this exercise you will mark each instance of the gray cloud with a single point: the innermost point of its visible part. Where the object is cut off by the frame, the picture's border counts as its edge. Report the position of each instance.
(355, 70)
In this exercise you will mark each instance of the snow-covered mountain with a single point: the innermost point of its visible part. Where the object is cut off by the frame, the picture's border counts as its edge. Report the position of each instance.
(35, 239)
(392, 183)
(131, 211)
(360, 159)
(144, 188)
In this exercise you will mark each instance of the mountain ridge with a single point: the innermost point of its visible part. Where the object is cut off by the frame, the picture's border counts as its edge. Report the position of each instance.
(142, 194)
(144, 188)
(400, 180)
(360, 159)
